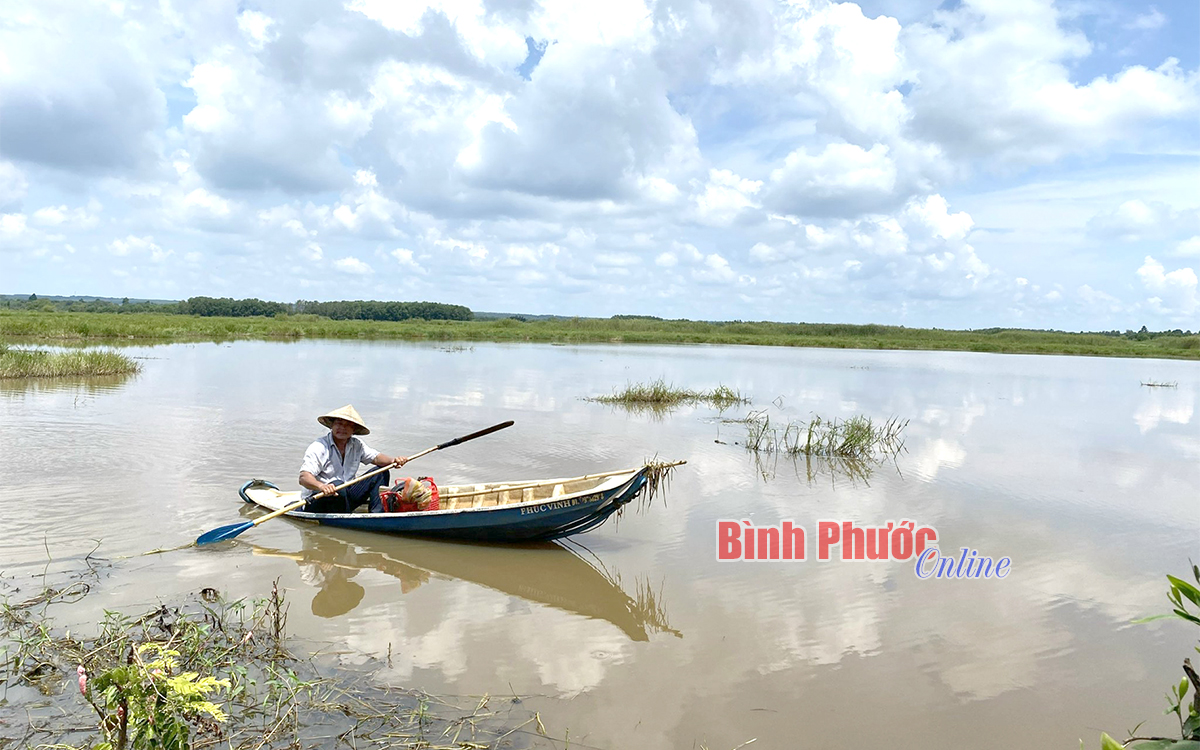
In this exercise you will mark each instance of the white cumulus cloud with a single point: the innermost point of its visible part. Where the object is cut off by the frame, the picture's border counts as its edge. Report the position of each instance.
(352, 265)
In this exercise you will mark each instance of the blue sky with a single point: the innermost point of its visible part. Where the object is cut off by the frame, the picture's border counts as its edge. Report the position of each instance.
(981, 163)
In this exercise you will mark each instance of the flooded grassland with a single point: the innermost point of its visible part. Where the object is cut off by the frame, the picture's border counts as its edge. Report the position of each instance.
(62, 326)
(637, 636)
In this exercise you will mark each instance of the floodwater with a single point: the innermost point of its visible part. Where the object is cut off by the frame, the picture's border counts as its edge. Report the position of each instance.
(640, 638)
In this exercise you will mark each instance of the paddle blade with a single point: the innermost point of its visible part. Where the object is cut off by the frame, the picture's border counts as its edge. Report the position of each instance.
(223, 533)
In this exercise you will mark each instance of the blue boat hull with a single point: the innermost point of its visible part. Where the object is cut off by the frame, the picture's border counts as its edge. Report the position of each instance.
(523, 522)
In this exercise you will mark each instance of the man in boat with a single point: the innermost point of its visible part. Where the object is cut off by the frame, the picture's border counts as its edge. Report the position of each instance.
(334, 459)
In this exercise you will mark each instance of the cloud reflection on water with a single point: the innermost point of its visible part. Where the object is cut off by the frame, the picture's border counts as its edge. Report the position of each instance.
(1159, 407)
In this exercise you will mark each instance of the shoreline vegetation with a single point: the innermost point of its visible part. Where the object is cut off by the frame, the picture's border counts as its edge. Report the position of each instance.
(53, 325)
(34, 363)
(207, 672)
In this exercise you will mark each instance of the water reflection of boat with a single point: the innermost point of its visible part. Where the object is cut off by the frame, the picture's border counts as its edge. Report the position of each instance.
(546, 573)
(497, 511)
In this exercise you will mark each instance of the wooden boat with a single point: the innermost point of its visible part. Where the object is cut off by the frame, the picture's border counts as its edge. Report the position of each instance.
(497, 512)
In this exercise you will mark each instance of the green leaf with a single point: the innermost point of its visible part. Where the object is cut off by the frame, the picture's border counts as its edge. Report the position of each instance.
(1187, 589)
(1152, 618)
(1183, 688)
(1108, 743)
(1191, 726)
(1187, 616)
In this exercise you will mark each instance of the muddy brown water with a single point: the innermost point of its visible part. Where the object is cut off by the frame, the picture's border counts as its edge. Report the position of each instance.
(638, 637)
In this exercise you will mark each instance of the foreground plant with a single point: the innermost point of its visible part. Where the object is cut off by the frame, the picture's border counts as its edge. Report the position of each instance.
(147, 704)
(213, 673)
(1187, 712)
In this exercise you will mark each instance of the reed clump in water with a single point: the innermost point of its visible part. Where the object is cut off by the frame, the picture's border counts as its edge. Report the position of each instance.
(813, 468)
(858, 438)
(35, 363)
(660, 395)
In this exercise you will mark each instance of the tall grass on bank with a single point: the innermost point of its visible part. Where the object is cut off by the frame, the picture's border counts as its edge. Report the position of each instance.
(33, 363)
(143, 327)
(858, 438)
(661, 396)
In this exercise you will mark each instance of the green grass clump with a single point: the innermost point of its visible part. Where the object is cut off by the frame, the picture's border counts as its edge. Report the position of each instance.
(32, 363)
(858, 438)
(661, 395)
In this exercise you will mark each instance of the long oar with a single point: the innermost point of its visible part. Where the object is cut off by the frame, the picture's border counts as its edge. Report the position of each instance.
(232, 530)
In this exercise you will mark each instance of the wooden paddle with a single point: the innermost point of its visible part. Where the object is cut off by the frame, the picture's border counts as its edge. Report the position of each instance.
(232, 530)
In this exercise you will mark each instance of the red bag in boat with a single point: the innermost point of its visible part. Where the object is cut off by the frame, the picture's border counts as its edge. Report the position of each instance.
(410, 495)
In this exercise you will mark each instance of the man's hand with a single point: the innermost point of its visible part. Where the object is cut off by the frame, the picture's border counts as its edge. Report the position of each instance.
(399, 461)
(329, 489)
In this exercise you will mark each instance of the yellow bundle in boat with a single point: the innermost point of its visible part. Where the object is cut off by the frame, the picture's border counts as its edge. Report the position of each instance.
(409, 495)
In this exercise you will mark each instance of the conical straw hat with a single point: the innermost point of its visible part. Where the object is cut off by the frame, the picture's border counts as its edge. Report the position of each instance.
(347, 413)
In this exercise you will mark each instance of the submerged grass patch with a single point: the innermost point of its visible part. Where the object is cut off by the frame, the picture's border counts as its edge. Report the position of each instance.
(662, 395)
(35, 363)
(858, 438)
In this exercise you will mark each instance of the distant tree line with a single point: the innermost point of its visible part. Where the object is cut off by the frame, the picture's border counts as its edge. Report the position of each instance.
(75, 305)
(224, 307)
(1141, 335)
(243, 308)
(367, 310)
